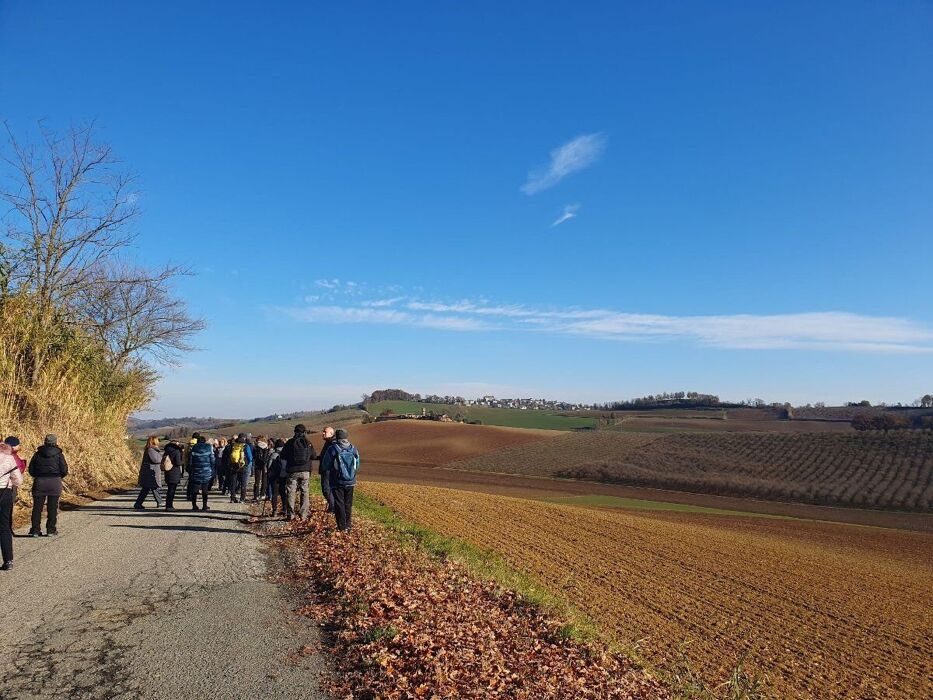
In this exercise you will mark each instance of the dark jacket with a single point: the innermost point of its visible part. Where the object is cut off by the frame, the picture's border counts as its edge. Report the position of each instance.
(49, 460)
(176, 457)
(201, 464)
(260, 456)
(298, 453)
(225, 458)
(276, 464)
(327, 443)
(150, 469)
(330, 465)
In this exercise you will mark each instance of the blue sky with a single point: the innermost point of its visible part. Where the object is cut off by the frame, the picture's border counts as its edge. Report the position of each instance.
(579, 200)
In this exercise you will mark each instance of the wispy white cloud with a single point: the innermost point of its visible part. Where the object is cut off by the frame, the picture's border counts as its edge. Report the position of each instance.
(570, 211)
(353, 314)
(382, 303)
(327, 284)
(573, 156)
(821, 330)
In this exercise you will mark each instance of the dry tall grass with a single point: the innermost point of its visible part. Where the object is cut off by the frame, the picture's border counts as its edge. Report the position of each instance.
(58, 380)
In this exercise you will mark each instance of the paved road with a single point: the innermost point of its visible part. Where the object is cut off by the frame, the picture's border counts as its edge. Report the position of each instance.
(130, 604)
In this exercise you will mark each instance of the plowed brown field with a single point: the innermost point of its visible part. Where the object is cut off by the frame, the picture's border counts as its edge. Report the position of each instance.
(430, 443)
(825, 610)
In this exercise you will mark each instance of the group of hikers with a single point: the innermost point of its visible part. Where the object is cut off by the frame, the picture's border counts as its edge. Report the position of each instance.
(47, 467)
(280, 471)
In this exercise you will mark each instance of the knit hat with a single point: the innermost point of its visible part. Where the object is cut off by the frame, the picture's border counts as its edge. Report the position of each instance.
(51, 439)
(341, 434)
(300, 428)
(12, 441)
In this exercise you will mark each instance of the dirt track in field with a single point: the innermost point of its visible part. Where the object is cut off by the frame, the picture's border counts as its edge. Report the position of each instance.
(824, 612)
(544, 488)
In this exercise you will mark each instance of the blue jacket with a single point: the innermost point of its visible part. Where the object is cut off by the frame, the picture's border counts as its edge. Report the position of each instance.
(201, 463)
(330, 463)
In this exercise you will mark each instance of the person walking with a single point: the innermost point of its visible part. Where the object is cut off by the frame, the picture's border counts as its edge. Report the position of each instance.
(150, 474)
(340, 464)
(238, 463)
(277, 478)
(10, 478)
(174, 456)
(218, 447)
(201, 472)
(223, 466)
(297, 453)
(328, 435)
(47, 469)
(260, 466)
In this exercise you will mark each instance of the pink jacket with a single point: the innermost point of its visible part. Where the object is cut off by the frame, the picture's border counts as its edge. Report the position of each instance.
(10, 475)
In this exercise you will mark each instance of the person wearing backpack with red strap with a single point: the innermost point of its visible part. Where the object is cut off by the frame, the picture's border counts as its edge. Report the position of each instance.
(10, 478)
(340, 464)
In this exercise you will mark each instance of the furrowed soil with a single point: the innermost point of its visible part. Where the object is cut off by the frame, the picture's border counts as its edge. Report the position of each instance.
(825, 610)
(545, 488)
(867, 470)
(430, 443)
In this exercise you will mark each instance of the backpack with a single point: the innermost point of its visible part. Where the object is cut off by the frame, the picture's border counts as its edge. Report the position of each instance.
(346, 463)
(277, 468)
(301, 452)
(238, 457)
(260, 456)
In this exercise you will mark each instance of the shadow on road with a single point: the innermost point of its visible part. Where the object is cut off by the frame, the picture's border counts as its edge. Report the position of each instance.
(163, 514)
(186, 528)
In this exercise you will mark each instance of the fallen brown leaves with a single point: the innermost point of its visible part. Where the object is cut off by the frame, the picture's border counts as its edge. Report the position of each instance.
(408, 626)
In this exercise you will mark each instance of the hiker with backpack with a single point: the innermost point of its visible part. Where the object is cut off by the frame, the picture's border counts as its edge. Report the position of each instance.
(150, 473)
(224, 465)
(238, 464)
(340, 464)
(328, 435)
(47, 469)
(200, 472)
(218, 478)
(277, 477)
(10, 478)
(298, 453)
(172, 466)
(260, 466)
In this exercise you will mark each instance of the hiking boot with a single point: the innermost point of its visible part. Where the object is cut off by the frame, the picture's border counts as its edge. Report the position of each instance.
(139, 507)
(194, 507)
(169, 507)
(51, 533)
(35, 533)
(7, 565)
(205, 507)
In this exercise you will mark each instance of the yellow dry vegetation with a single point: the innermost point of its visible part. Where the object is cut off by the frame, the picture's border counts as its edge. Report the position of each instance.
(824, 610)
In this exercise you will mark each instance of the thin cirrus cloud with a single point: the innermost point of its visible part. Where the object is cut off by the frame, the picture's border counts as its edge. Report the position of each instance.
(573, 156)
(818, 330)
(570, 211)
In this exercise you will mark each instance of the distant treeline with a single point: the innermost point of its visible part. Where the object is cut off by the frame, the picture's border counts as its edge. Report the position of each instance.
(381, 395)
(677, 399)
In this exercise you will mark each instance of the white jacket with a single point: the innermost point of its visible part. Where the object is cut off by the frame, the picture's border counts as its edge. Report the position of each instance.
(10, 476)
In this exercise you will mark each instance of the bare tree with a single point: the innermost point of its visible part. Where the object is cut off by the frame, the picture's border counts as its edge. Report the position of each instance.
(135, 316)
(70, 217)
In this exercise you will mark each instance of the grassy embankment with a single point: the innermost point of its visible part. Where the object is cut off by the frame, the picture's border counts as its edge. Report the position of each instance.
(506, 417)
(55, 379)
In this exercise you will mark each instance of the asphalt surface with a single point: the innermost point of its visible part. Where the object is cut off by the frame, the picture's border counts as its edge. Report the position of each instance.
(149, 604)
